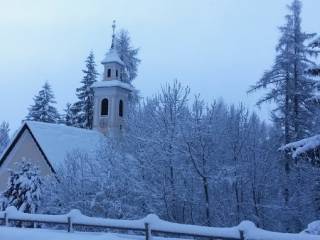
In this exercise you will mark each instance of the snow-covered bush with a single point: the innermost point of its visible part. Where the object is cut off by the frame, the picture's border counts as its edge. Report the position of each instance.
(24, 188)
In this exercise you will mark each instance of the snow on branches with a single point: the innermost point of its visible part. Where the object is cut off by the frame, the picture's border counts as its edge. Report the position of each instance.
(24, 188)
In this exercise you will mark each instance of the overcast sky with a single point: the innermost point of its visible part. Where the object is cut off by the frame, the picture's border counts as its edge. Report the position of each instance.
(217, 47)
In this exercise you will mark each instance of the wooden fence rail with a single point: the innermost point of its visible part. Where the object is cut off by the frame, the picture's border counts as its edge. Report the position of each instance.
(146, 228)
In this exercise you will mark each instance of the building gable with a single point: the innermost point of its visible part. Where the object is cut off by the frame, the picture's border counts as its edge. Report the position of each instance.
(24, 145)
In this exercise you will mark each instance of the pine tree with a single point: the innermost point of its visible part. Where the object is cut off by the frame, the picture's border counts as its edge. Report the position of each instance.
(4, 136)
(24, 188)
(84, 107)
(288, 84)
(70, 115)
(43, 110)
(290, 88)
(128, 54)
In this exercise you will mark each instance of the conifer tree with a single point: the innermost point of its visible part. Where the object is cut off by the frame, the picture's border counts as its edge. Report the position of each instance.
(84, 107)
(290, 87)
(4, 136)
(288, 84)
(43, 109)
(70, 115)
(24, 188)
(128, 54)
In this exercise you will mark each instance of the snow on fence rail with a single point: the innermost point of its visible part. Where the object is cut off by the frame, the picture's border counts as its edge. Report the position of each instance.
(152, 225)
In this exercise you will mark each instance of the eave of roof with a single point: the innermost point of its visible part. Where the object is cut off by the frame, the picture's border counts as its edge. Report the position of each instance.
(113, 83)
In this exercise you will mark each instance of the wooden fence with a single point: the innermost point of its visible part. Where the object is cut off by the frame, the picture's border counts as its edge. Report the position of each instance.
(143, 226)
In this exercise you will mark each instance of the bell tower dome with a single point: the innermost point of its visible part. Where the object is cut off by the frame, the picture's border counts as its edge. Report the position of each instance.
(111, 94)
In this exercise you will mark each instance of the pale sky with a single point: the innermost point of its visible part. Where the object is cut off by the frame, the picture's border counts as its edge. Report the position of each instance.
(217, 47)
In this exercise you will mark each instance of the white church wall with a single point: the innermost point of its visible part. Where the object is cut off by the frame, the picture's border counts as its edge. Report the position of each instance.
(112, 121)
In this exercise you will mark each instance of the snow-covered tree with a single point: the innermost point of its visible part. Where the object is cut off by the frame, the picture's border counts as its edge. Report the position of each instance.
(4, 136)
(290, 88)
(84, 106)
(24, 188)
(128, 54)
(195, 160)
(121, 191)
(288, 84)
(70, 117)
(43, 109)
(157, 146)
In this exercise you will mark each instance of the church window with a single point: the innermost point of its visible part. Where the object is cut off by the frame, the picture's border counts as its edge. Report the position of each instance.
(121, 108)
(109, 72)
(104, 107)
(117, 73)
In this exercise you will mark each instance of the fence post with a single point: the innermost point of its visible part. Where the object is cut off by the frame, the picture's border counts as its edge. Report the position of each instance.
(6, 220)
(148, 231)
(241, 235)
(70, 228)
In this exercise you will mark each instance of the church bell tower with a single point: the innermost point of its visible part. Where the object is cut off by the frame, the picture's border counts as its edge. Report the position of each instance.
(111, 94)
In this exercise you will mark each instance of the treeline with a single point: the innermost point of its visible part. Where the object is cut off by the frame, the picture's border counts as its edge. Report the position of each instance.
(191, 162)
(187, 161)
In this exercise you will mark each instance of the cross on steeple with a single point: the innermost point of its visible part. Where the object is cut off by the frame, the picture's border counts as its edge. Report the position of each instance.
(113, 33)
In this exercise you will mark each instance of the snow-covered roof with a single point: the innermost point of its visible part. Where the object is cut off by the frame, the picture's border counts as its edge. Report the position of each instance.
(113, 83)
(112, 56)
(57, 140)
(303, 146)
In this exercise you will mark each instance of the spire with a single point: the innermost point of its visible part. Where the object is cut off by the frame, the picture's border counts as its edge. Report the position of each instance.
(113, 33)
(112, 55)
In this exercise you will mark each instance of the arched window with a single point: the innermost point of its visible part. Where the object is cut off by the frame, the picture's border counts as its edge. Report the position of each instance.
(121, 108)
(109, 72)
(117, 73)
(104, 107)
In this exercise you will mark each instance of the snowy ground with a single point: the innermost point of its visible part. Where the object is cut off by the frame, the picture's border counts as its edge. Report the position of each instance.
(12, 233)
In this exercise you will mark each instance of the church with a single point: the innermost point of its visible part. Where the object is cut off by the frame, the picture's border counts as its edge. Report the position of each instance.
(46, 145)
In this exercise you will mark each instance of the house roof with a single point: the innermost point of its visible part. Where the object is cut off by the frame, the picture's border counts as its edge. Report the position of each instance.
(55, 141)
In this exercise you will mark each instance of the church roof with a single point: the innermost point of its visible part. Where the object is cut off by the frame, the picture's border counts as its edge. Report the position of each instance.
(55, 141)
(112, 56)
(113, 83)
